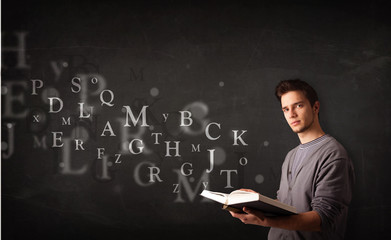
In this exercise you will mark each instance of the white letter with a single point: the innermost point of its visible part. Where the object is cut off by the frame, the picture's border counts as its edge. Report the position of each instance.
(211, 160)
(109, 103)
(139, 147)
(152, 174)
(79, 143)
(74, 83)
(168, 148)
(228, 176)
(244, 162)
(55, 138)
(82, 111)
(142, 114)
(190, 170)
(207, 131)
(118, 157)
(156, 137)
(236, 137)
(100, 153)
(165, 115)
(107, 128)
(51, 104)
(66, 122)
(35, 86)
(195, 149)
(188, 118)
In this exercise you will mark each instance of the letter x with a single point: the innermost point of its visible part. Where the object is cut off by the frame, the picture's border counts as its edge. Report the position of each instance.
(35, 118)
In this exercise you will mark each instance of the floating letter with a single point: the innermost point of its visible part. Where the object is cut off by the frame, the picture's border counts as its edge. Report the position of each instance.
(130, 114)
(188, 117)
(236, 137)
(153, 174)
(40, 85)
(100, 152)
(82, 111)
(156, 137)
(190, 170)
(211, 160)
(55, 139)
(76, 84)
(79, 143)
(139, 147)
(195, 149)
(176, 148)
(228, 176)
(207, 131)
(109, 103)
(51, 110)
(107, 128)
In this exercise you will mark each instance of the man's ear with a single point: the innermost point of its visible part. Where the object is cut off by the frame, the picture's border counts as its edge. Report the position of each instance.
(316, 106)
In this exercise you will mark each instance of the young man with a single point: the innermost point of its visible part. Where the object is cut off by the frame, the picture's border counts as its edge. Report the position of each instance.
(317, 176)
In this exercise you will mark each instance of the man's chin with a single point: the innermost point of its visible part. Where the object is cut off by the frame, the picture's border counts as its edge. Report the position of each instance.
(299, 130)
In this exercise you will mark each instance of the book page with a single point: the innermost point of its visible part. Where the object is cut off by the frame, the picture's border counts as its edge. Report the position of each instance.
(217, 196)
(242, 196)
(241, 192)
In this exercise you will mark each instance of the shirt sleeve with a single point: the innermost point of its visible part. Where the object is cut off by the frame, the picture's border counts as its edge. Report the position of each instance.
(333, 191)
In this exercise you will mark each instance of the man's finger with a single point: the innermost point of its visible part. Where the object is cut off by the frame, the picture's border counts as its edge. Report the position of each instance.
(247, 210)
(247, 190)
(254, 212)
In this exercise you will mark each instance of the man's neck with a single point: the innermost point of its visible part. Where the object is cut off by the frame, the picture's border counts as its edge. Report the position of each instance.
(311, 134)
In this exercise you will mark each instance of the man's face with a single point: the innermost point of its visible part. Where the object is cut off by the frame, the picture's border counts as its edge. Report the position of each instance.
(298, 111)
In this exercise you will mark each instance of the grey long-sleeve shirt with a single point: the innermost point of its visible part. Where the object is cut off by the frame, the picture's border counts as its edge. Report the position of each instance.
(317, 176)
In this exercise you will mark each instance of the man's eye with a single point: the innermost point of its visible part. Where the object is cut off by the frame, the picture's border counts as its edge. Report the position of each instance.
(285, 110)
(299, 105)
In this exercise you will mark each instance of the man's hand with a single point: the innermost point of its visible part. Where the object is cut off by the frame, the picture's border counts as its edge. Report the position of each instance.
(251, 216)
(306, 221)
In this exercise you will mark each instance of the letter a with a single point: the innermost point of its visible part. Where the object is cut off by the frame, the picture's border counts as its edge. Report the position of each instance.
(107, 128)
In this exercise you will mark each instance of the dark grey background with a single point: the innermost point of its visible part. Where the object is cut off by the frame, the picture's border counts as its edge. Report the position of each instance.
(229, 57)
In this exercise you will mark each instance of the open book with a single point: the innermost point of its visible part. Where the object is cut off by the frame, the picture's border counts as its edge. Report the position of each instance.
(236, 200)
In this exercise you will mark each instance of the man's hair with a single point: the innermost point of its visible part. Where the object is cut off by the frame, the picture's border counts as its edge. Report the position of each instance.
(296, 85)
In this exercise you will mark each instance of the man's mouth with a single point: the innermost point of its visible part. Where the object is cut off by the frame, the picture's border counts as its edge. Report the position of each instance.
(295, 123)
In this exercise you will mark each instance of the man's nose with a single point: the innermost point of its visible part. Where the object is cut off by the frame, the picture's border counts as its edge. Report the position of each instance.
(292, 113)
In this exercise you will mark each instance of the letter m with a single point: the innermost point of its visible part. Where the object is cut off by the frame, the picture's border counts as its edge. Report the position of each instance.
(183, 182)
(40, 143)
(129, 114)
(67, 121)
(194, 148)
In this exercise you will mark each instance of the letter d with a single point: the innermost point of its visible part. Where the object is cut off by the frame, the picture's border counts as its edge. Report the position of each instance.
(51, 110)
